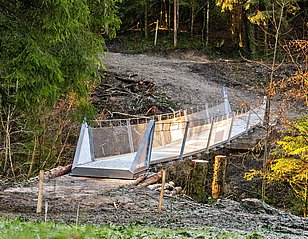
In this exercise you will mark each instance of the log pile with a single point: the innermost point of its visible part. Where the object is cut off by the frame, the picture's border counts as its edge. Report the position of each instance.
(151, 183)
(120, 96)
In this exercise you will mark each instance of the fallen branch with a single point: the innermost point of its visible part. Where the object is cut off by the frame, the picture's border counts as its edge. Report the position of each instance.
(151, 180)
(139, 180)
(57, 172)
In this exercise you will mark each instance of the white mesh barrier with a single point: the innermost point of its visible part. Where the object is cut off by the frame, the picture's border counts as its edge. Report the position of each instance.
(126, 149)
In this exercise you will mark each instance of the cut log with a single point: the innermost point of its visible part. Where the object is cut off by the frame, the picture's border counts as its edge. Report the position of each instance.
(57, 172)
(151, 180)
(219, 176)
(139, 180)
(196, 184)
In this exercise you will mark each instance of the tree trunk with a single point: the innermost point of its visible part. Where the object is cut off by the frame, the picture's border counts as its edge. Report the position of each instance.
(166, 14)
(197, 181)
(175, 29)
(240, 25)
(169, 17)
(207, 24)
(219, 176)
(33, 159)
(192, 21)
(233, 43)
(161, 12)
(146, 31)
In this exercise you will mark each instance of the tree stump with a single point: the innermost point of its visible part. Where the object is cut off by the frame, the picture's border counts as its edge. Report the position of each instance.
(197, 181)
(219, 176)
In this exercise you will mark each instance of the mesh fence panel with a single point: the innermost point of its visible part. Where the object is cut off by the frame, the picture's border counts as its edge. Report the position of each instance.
(109, 141)
(125, 135)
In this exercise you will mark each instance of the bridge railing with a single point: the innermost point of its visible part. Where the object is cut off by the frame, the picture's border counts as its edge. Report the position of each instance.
(124, 136)
(176, 138)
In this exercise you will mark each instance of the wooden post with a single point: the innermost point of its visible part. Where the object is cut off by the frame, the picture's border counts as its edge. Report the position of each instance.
(156, 31)
(46, 210)
(40, 192)
(219, 176)
(163, 180)
(197, 181)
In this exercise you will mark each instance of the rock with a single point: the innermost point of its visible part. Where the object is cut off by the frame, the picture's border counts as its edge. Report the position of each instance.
(154, 186)
(151, 187)
(252, 203)
(169, 186)
(176, 191)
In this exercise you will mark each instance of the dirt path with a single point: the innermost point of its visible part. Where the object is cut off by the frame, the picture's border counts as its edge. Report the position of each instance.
(192, 80)
(102, 201)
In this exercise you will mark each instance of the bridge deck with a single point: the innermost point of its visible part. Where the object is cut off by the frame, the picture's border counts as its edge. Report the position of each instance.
(120, 166)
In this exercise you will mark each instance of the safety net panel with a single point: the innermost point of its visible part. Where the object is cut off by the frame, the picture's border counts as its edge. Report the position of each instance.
(117, 140)
(168, 139)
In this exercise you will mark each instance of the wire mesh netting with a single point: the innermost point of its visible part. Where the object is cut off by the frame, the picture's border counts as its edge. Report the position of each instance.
(128, 148)
(117, 137)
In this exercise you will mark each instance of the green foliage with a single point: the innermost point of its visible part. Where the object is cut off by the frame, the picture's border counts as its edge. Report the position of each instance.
(48, 53)
(290, 161)
(18, 229)
(291, 158)
(135, 43)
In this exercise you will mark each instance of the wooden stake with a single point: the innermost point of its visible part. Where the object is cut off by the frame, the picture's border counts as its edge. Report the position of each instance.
(46, 210)
(156, 31)
(40, 192)
(163, 172)
(219, 176)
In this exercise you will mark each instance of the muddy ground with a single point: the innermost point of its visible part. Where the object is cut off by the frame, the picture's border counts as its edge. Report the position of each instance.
(104, 201)
(191, 79)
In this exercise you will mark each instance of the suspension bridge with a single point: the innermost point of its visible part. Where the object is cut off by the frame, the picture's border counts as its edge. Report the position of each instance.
(127, 147)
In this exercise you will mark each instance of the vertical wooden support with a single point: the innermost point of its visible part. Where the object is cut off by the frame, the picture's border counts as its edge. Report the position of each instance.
(40, 192)
(219, 176)
(161, 198)
(46, 210)
(156, 31)
(196, 184)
